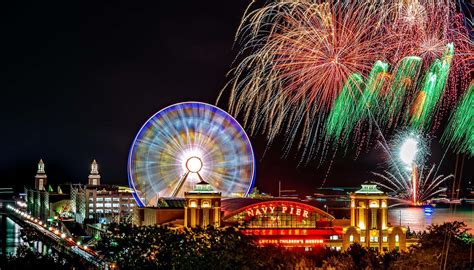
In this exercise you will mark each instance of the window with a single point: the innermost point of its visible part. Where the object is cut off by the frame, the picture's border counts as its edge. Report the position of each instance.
(374, 204)
(108, 205)
(193, 204)
(334, 237)
(100, 199)
(384, 239)
(205, 204)
(116, 205)
(91, 205)
(99, 205)
(116, 211)
(100, 211)
(374, 239)
(116, 199)
(108, 199)
(108, 211)
(91, 216)
(351, 238)
(362, 239)
(397, 238)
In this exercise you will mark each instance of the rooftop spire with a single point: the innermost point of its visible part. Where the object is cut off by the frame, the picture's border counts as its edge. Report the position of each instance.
(94, 167)
(41, 167)
(94, 176)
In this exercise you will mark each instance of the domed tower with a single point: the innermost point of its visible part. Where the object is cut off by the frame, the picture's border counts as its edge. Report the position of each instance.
(40, 178)
(369, 221)
(203, 206)
(94, 176)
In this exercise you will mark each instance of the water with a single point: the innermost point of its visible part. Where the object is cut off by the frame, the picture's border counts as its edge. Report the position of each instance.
(10, 235)
(10, 238)
(417, 219)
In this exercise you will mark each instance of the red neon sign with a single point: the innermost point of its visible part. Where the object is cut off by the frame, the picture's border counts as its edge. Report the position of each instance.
(271, 208)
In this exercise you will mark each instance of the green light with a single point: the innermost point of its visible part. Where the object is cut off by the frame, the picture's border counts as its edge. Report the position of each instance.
(369, 189)
(342, 116)
(459, 135)
(432, 89)
(406, 74)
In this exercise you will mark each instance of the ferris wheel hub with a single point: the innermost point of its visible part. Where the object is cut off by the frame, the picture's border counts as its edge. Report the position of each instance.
(194, 164)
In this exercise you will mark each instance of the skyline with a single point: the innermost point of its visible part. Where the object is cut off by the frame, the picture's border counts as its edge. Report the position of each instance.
(128, 63)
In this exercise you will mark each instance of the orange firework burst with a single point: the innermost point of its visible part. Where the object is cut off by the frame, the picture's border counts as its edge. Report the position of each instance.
(302, 53)
(298, 55)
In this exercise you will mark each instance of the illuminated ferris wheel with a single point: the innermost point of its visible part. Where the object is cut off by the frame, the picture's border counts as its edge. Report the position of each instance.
(184, 144)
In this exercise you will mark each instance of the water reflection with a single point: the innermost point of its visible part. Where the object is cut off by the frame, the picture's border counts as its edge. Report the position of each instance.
(11, 239)
(418, 218)
(10, 235)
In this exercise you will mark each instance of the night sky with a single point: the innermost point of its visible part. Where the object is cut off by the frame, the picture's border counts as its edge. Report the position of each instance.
(79, 81)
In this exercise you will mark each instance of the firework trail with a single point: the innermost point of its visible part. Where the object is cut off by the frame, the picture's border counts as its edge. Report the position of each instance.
(302, 55)
(306, 70)
(460, 132)
(401, 187)
(343, 116)
(407, 180)
(432, 90)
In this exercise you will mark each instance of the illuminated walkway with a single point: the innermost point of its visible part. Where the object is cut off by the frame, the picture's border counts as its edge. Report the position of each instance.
(62, 244)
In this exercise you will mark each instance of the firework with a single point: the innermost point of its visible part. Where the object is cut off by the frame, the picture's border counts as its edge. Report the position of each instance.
(407, 180)
(302, 54)
(307, 69)
(402, 189)
(432, 90)
(460, 132)
(343, 117)
(402, 87)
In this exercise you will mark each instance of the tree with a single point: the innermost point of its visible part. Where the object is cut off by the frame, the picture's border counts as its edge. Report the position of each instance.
(27, 258)
(152, 247)
(446, 245)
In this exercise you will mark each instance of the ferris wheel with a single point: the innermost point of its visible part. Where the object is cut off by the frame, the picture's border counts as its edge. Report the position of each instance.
(184, 144)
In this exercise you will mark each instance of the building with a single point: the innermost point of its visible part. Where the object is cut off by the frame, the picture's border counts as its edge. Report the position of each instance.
(44, 202)
(203, 206)
(168, 211)
(290, 223)
(200, 207)
(100, 203)
(90, 203)
(369, 222)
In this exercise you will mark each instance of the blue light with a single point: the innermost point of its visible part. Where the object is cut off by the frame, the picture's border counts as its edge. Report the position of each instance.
(428, 211)
(180, 131)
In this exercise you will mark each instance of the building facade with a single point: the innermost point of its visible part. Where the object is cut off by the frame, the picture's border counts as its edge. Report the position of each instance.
(96, 202)
(369, 222)
(90, 203)
(203, 206)
(291, 223)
